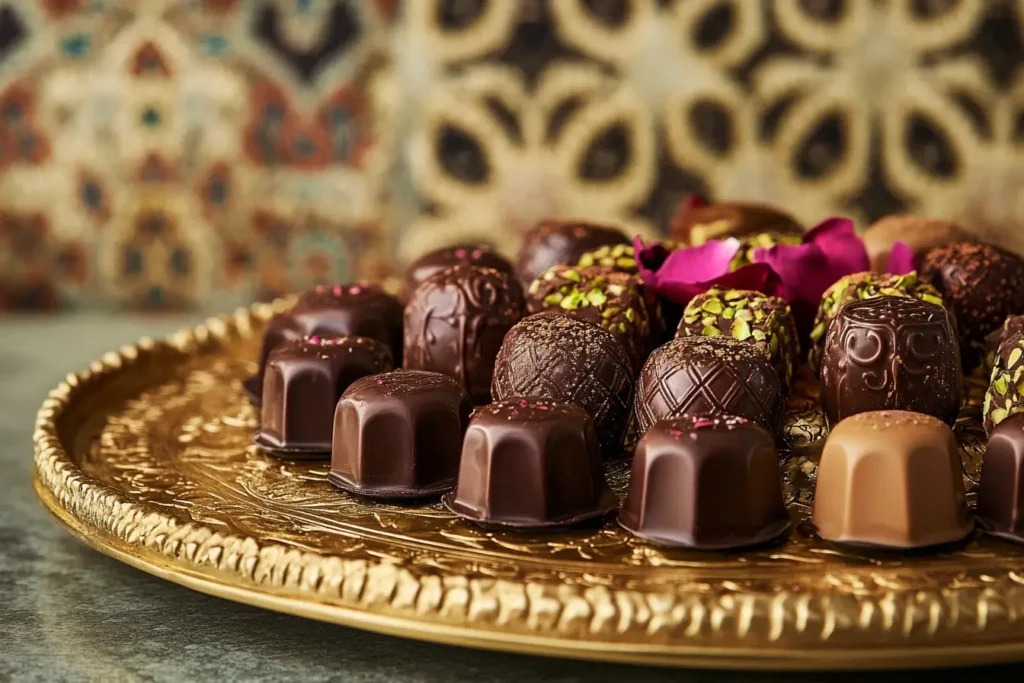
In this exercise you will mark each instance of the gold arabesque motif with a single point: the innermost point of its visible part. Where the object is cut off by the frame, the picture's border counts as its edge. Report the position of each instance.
(147, 456)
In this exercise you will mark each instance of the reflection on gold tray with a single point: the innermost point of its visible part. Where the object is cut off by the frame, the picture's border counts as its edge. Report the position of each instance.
(147, 457)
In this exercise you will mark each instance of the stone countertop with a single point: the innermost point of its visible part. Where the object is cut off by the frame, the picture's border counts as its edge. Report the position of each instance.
(68, 613)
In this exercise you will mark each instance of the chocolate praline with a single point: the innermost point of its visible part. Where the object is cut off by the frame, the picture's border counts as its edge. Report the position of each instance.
(995, 339)
(710, 376)
(303, 381)
(530, 463)
(705, 483)
(455, 323)
(696, 225)
(981, 283)
(1005, 395)
(891, 353)
(435, 261)
(353, 310)
(561, 242)
(565, 359)
(1001, 489)
(763, 240)
(917, 232)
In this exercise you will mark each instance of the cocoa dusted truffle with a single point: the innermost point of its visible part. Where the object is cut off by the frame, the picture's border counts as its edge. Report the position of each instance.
(455, 322)
(565, 359)
(705, 483)
(399, 435)
(859, 287)
(891, 353)
(696, 224)
(561, 242)
(304, 379)
(1001, 490)
(711, 376)
(981, 283)
(530, 463)
(891, 479)
(353, 310)
(749, 316)
(1005, 395)
(920, 234)
(435, 261)
(600, 296)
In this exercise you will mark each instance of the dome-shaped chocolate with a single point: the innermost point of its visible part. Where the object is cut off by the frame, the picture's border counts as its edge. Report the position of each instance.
(560, 242)
(696, 223)
(435, 261)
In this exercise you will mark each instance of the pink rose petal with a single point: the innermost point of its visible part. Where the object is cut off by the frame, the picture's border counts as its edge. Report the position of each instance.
(901, 259)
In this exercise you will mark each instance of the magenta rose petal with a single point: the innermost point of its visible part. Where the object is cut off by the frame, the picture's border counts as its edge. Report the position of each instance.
(901, 259)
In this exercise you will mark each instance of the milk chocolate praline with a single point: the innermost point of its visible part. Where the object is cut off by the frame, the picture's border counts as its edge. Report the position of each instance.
(711, 376)
(891, 353)
(435, 261)
(565, 359)
(455, 322)
(399, 435)
(919, 233)
(303, 381)
(352, 310)
(891, 479)
(531, 463)
(696, 224)
(705, 483)
(561, 242)
(1001, 490)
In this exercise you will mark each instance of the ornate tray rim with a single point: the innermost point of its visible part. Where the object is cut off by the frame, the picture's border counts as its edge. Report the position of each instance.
(302, 583)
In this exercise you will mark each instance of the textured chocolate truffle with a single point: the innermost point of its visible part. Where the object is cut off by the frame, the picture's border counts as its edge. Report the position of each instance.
(710, 376)
(1001, 490)
(982, 284)
(891, 479)
(399, 435)
(749, 316)
(920, 234)
(455, 322)
(697, 224)
(705, 483)
(565, 359)
(862, 286)
(531, 463)
(600, 296)
(354, 310)
(560, 242)
(303, 381)
(435, 261)
(891, 353)
(995, 339)
(1005, 395)
(619, 257)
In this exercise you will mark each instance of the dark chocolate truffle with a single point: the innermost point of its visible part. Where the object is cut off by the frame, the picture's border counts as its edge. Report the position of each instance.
(600, 296)
(749, 316)
(981, 283)
(303, 381)
(1005, 395)
(1001, 490)
(917, 232)
(995, 339)
(891, 353)
(710, 376)
(560, 242)
(762, 240)
(435, 261)
(696, 225)
(705, 483)
(618, 257)
(354, 310)
(455, 322)
(862, 286)
(531, 463)
(399, 435)
(891, 479)
(565, 359)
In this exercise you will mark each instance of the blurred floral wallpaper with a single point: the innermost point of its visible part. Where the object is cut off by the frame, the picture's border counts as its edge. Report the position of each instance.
(164, 154)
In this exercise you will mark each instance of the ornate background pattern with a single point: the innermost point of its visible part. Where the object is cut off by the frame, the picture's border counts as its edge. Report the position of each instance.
(202, 153)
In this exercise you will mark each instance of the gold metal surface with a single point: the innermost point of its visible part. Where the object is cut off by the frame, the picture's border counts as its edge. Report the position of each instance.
(147, 456)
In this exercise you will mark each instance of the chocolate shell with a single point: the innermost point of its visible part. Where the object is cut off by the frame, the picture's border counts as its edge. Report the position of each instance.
(531, 463)
(709, 376)
(1005, 395)
(354, 310)
(695, 225)
(561, 242)
(564, 359)
(891, 479)
(455, 322)
(1001, 490)
(435, 261)
(303, 381)
(891, 353)
(399, 435)
(919, 233)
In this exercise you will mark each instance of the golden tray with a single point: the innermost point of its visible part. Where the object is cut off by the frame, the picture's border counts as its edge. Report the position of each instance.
(147, 457)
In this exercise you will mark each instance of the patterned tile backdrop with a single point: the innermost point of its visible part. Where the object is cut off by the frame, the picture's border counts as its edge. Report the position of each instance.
(203, 153)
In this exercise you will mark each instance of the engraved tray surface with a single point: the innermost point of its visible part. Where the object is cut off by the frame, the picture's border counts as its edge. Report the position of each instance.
(147, 456)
